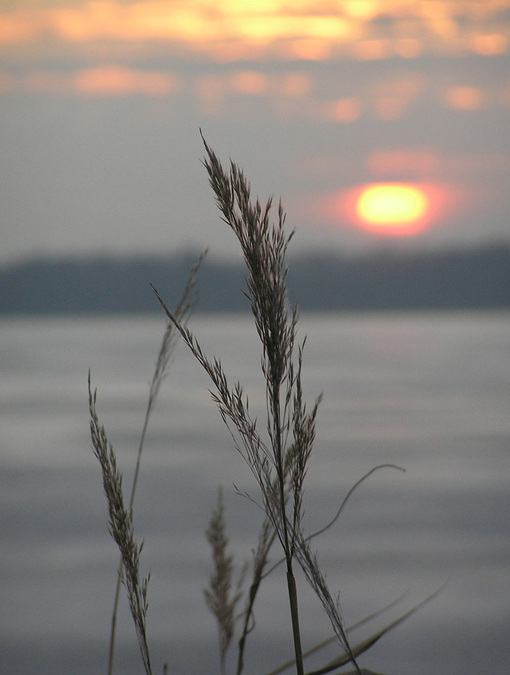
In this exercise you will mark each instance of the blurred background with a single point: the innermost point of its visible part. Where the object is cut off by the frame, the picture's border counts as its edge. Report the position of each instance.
(384, 126)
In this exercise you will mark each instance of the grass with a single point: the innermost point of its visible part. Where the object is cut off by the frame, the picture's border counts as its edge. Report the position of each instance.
(277, 451)
(106, 458)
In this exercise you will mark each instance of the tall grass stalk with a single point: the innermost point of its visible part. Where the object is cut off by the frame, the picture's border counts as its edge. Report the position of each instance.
(122, 530)
(279, 464)
(166, 350)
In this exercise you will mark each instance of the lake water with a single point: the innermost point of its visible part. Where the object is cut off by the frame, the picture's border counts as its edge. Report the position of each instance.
(428, 392)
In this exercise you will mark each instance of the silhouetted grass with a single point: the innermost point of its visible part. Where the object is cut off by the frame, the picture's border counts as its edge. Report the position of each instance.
(277, 451)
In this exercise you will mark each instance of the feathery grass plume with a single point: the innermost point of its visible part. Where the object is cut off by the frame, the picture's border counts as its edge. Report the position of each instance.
(183, 310)
(218, 594)
(303, 427)
(280, 465)
(122, 530)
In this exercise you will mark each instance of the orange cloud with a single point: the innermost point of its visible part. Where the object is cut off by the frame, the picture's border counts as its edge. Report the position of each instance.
(107, 80)
(108, 19)
(370, 50)
(412, 163)
(157, 20)
(213, 90)
(407, 48)
(21, 26)
(116, 31)
(490, 45)
(343, 110)
(115, 81)
(464, 98)
(249, 82)
(305, 28)
(307, 49)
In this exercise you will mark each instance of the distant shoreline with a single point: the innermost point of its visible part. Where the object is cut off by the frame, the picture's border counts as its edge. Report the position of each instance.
(384, 281)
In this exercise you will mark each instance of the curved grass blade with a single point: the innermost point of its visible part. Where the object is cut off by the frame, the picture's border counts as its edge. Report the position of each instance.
(363, 646)
(327, 642)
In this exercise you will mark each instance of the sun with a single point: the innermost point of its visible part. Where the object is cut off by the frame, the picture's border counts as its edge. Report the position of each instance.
(393, 209)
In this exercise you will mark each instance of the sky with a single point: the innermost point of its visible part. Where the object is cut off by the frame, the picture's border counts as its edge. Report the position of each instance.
(379, 123)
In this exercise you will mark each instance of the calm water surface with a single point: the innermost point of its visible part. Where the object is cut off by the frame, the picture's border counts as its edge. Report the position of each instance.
(427, 392)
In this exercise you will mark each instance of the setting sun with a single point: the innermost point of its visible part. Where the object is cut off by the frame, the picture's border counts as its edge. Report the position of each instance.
(395, 209)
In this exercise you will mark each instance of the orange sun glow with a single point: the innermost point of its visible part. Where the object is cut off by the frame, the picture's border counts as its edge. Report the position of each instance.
(394, 209)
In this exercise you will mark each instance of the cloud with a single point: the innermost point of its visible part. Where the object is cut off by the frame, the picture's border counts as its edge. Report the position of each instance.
(464, 98)
(306, 29)
(115, 81)
(104, 80)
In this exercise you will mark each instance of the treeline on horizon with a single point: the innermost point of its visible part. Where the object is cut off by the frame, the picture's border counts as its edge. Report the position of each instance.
(383, 280)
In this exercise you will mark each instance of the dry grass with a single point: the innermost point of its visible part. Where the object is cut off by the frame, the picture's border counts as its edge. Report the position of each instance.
(219, 595)
(122, 530)
(112, 480)
(278, 461)
(277, 452)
